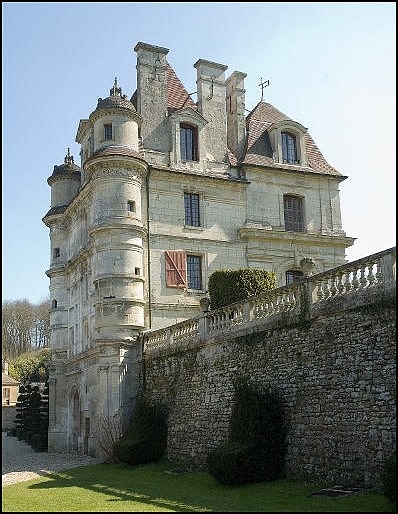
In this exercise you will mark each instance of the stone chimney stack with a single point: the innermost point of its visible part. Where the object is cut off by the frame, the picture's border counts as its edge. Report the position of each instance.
(5, 367)
(236, 123)
(152, 95)
(211, 90)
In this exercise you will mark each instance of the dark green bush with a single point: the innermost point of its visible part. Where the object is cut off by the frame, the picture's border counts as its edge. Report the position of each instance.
(389, 478)
(229, 286)
(147, 438)
(257, 447)
(141, 451)
(230, 463)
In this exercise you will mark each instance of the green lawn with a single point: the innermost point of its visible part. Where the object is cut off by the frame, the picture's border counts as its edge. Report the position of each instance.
(151, 488)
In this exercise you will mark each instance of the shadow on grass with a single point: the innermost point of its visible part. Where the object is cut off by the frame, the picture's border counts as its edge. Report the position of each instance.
(152, 487)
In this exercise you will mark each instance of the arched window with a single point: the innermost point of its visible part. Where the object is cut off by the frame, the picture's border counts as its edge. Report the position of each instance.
(289, 148)
(293, 276)
(54, 304)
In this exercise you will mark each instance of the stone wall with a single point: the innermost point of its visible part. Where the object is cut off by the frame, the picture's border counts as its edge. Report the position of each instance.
(335, 371)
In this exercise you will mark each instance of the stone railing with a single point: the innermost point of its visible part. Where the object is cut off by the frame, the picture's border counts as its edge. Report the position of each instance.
(374, 272)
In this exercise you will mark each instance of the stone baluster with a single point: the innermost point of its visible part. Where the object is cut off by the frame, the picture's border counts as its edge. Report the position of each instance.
(363, 280)
(371, 275)
(340, 283)
(333, 286)
(355, 281)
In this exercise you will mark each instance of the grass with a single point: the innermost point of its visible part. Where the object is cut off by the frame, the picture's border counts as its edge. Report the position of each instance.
(151, 488)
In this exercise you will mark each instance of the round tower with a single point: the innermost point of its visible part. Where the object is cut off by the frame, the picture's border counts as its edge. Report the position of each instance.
(65, 183)
(115, 170)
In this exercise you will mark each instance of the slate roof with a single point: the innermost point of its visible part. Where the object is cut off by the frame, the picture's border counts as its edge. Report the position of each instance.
(177, 95)
(259, 151)
(258, 145)
(115, 100)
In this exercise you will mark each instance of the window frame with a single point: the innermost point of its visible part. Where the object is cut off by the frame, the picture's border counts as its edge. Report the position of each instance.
(194, 276)
(189, 154)
(289, 148)
(192, 214)
(107, 127)
(294, 223)
(295, 275)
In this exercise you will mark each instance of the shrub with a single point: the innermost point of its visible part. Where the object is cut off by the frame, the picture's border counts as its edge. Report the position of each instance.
(229, 286)
(389, 479)
(230, 463)
(147, 438)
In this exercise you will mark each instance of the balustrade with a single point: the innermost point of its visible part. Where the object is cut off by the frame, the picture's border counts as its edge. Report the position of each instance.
(376, 270)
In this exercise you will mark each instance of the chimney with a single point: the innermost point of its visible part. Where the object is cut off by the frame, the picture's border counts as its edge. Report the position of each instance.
(152, 95)
(211, 104)
(236, 122)
(5, 367)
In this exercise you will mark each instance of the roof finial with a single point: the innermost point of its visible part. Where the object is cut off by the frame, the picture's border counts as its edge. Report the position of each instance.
(115, 89)
(263, 85)
(68, 158)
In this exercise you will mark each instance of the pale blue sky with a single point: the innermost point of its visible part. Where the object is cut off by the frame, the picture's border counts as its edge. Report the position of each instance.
(331, 67)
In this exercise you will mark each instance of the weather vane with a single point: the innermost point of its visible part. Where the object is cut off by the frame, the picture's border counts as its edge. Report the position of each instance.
(263, 85)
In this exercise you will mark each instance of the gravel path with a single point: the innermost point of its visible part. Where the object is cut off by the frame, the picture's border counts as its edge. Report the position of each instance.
(20, 462)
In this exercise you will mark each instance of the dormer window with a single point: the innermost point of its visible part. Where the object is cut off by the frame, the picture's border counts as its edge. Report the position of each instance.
(188, 142)
(289, 148)
(108, 131)
(288, 142)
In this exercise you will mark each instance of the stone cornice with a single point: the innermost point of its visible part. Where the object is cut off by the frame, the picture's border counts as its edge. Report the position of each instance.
(116, 166)
(264, 234)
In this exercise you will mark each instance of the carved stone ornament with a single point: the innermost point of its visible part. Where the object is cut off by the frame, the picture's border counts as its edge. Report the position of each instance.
(307, 265)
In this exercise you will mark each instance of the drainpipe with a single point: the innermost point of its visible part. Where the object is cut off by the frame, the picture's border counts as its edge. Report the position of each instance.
(148, 248)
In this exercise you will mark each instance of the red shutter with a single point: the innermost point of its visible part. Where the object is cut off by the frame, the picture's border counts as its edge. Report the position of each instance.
(176, 269)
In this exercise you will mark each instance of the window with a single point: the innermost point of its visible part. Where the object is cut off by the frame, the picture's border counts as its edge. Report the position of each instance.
(289, 148)
(188, 142)
(293, 213)
(137, 271)
(131, 206)
(54, 304)
(194, 272)
(293, 276)
(182, 270)
(191, 207)
(6, 396)
(56, 253)
(108, 131)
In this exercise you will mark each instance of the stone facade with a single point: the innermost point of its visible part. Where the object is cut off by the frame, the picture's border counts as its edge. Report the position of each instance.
(331, 358)
(170, 189)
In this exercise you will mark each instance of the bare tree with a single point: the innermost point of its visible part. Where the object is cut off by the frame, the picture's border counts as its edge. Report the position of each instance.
(25, 327)
(109, 431)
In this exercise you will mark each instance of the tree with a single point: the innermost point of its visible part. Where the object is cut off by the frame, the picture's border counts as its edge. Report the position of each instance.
(31, 366)
(25, 327)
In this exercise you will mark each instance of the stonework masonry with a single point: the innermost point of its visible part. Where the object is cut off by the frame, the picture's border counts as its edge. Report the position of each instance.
(334, 368)
(172, 186)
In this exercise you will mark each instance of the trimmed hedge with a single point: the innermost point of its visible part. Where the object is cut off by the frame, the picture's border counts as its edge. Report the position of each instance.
(230, 286)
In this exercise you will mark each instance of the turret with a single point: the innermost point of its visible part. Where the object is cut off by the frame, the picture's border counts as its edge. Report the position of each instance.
(115, 168)
(64, 182)
(114, 123)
